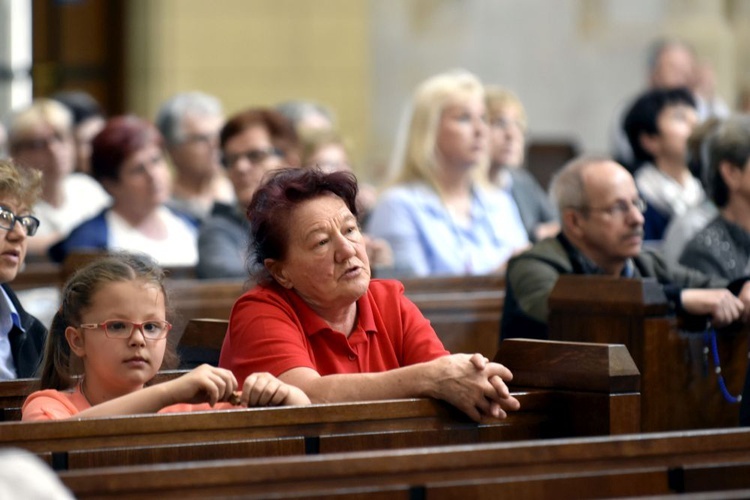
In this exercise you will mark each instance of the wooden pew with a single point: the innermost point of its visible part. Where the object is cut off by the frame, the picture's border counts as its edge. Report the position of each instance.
(464, 311)
(13, 393)
(587, 369)
(453, 283)
(201, 342)
(38, 275)
(678, 384)
(549, 410)
(546, 155)
(43, 273)
(465, 320)
(647, 464)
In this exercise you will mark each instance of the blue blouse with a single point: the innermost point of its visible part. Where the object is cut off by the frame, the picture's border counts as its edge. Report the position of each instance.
(427, 240)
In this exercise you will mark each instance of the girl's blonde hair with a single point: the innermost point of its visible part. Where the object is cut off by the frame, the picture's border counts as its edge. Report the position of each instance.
(58, 366)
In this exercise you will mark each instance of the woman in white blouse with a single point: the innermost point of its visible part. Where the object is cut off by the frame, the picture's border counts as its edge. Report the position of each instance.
(128, 160)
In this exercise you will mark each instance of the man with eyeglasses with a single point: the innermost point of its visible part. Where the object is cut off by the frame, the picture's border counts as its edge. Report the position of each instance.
(602, 233)
(190, 124)
(21, 334)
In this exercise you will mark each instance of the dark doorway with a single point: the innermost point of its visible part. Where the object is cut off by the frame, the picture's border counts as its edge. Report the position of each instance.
(78, 45)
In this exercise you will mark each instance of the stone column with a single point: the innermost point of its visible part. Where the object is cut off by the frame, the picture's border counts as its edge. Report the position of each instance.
(15, 54)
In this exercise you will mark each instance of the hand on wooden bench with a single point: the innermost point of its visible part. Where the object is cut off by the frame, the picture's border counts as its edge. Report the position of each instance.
(474, 385)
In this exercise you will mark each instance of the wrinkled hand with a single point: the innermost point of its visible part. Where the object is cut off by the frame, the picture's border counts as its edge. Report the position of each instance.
(263, 389)
(204, 384)
(474, 385)
(719, 303)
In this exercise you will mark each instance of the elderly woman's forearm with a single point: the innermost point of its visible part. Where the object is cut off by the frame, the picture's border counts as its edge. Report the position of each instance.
(407, 382)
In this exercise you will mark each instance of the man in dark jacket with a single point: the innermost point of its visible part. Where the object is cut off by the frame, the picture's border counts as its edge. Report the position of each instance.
(22, 336)
(602, 233)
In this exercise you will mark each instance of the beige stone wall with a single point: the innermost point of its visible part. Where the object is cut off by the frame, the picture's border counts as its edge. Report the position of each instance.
(574, 63)
(254, 52)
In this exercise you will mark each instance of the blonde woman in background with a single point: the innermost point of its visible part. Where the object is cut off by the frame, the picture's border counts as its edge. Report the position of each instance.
(41, 136)
(442, 217)
(508, 125)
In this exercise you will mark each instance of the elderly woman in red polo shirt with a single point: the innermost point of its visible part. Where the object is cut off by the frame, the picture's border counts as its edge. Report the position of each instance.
(317, 321)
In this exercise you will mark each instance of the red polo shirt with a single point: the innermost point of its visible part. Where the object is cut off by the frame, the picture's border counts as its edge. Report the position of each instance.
(271, 329)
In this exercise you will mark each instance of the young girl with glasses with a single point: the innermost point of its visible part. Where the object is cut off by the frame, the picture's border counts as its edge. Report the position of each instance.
(112, 330)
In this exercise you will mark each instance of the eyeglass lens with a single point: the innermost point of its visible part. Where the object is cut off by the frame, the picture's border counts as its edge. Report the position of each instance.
(8, 219)
(123, 329)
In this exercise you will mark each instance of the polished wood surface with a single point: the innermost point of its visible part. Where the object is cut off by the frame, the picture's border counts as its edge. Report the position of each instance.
(679, 387)
(614, 466)
(319, 429)
(465, 311)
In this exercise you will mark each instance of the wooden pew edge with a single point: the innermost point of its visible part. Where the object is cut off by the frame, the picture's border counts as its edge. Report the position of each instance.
(411, 461)
(580, 366)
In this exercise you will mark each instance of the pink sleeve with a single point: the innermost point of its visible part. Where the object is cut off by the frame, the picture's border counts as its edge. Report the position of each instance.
(47, 405)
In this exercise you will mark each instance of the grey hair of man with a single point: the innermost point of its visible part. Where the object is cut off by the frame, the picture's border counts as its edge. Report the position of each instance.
(296, 110)
(176, 108)
(567, 187)
(658, 46)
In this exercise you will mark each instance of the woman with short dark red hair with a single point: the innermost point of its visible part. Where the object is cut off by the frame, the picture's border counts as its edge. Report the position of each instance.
(318, 322)
(128, 160)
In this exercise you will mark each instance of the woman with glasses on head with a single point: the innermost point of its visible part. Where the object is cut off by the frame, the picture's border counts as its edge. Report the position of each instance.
(507, 123)
(128, 161)
(21, 334)
(112, 330)
(253, 142)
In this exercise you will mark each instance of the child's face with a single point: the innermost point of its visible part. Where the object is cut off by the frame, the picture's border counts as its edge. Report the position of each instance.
(117, 366)
(12, 243)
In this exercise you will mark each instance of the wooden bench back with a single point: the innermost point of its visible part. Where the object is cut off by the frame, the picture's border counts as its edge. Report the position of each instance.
(654, 464)
(13, 393)
(546, 412)
(465, 312)
(678, 382)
